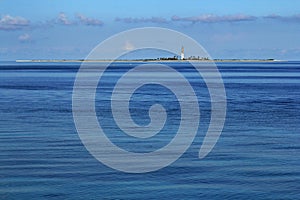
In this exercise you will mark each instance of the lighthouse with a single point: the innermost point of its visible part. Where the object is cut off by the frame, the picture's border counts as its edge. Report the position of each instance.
(182, 53)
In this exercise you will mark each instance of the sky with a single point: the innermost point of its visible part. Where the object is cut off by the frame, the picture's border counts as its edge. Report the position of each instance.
(65, 29)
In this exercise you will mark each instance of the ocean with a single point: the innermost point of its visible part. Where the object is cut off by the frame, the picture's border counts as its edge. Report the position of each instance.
(256, 156)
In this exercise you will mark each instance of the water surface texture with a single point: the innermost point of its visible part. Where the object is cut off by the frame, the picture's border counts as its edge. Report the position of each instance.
(256, 157)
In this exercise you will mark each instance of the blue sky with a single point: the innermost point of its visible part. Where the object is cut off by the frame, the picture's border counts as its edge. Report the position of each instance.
(68, 29)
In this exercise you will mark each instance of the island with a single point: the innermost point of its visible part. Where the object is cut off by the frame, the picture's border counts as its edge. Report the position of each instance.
(163, 59)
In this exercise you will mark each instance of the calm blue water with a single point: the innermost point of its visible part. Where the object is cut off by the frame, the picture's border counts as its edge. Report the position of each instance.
(257, 156)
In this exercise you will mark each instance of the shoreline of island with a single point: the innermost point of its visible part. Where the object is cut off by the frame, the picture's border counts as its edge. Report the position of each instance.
(142, 60)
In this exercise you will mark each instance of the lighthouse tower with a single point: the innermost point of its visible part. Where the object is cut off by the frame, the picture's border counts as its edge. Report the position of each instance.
(182, 53)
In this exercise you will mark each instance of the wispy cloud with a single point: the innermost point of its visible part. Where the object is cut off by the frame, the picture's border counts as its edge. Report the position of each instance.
(292, 18)
(142, 20)
(8, 22)
(89, 21)
(24, 38)
(210, 18)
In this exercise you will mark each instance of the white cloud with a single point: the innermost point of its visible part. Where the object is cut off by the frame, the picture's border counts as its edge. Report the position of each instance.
(142, 20)
(89, 21)
(63, 19)
(209, 18)
(292, 18)
(24, 38)
(8, 22)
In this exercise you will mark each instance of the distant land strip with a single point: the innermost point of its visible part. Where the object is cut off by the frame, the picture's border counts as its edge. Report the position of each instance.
(149, 60)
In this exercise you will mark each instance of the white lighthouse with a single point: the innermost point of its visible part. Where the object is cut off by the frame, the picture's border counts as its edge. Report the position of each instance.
(182, 53)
